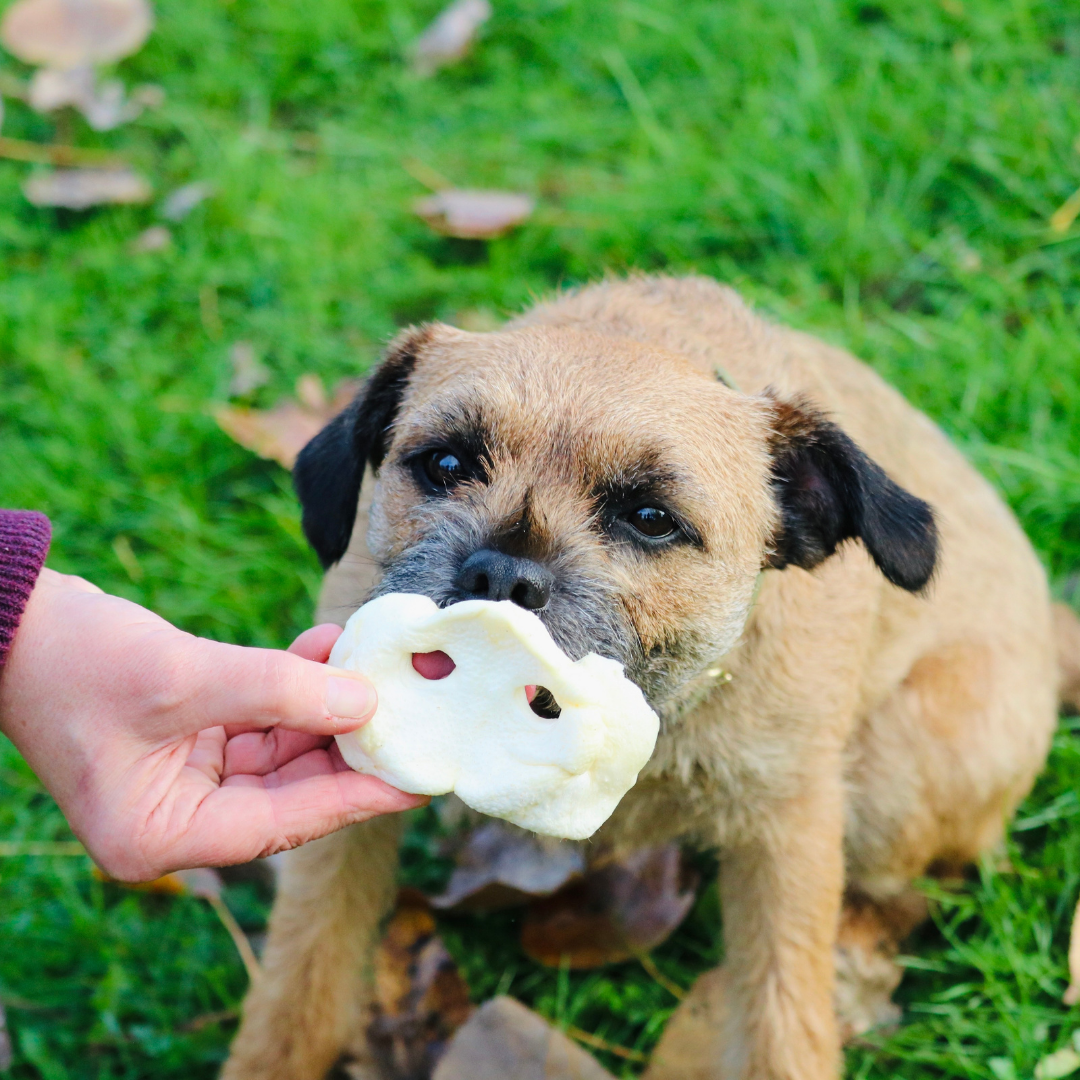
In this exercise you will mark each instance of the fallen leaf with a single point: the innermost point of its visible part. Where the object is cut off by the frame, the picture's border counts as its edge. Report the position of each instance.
(104, 105)
(506, 1041)
(500, 866)
(474, 215)
(689, 1044)
(280, 433)
(69, 33)
(79, 189)
(179, 203)
(450, 36)
(1063, 1062)
(1002, 1068)
(156, 238)
(248, 373)
(420, 997)
(53, 88)
(619, 910)
(108, 107)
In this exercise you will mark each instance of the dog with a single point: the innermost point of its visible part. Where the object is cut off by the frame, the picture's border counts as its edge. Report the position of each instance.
(845, 633)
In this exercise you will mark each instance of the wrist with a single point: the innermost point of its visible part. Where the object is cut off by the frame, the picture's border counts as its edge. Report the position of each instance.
(24, 543)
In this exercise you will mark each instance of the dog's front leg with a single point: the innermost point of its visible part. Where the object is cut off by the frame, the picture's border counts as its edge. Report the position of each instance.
(311, 1000)
(781, 895)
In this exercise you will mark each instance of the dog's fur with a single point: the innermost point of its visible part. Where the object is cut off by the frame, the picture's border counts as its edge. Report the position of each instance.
(893, 676)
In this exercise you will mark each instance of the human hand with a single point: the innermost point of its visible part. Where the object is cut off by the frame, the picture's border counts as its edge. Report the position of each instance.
(167, 751)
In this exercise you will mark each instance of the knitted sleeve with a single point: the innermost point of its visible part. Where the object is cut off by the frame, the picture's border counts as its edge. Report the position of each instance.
(24, 543)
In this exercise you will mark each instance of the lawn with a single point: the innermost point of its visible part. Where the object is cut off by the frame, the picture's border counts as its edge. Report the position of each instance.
(882, 173)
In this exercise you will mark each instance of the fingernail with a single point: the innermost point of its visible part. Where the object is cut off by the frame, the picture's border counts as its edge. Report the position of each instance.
(349, 698)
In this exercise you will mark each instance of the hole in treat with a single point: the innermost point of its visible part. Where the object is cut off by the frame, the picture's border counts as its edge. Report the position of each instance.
(542, 702)
(432, 665)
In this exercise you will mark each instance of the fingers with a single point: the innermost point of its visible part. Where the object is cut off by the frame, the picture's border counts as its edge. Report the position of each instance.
(251, 816)
(249, 689)
(316, 643)
(261, 752)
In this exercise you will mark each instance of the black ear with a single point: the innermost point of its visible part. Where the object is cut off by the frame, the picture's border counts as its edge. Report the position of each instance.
(830, 491)
(330, 469)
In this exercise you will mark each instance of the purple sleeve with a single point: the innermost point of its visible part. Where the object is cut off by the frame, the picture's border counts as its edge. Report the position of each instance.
(24, 543)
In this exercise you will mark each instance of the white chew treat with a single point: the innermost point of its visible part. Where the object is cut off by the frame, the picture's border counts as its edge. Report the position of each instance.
(473, 731)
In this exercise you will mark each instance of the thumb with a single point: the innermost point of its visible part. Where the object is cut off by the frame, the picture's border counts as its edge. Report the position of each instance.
(250, 689)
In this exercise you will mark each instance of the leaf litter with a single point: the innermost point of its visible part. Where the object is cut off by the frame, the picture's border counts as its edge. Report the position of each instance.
(450, 36)
(499, 866)
(1062, 1062)
(619, 910)
(179, 203)
(66, 34)
(421, 999)
(474, 214)
(80, 189)
(280, 433)
(577, 914)
(504, 1039)
(248, 372)
(155, 238)
(104, 105)
(68, 39)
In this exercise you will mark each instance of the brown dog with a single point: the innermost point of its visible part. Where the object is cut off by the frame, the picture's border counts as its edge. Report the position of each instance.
(669, 480)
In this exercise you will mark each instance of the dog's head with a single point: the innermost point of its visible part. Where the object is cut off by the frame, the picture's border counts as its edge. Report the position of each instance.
(606, 485)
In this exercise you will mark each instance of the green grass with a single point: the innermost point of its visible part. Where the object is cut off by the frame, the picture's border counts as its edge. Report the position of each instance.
(881, 173)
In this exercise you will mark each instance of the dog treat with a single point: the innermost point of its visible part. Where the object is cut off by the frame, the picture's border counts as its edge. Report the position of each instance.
(477, 699)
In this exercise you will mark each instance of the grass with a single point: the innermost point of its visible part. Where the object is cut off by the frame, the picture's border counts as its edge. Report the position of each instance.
(881, 173)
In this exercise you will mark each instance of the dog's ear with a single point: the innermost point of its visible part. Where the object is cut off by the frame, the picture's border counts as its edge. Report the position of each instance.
(830, 491)
(329, 470)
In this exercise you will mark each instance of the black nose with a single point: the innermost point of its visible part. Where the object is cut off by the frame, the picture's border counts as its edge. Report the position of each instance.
(491, 575)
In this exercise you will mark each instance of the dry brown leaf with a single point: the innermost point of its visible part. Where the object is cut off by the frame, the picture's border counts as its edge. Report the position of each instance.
(617, 911)
(179, 203)
(506, 1041)
(450, 36)
(474, 215)
(500, 866)
(280, 433)
(70, 33)
(248, 373)
(103, 104)
(156, 238)
(689, 1045)
(79, 189)
(53, 88)
(420, 997)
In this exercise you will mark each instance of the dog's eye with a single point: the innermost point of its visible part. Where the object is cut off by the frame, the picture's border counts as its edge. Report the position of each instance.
(442, 468)
(651, 521)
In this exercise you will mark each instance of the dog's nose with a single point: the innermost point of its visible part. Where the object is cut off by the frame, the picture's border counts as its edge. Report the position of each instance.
(491, 575)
